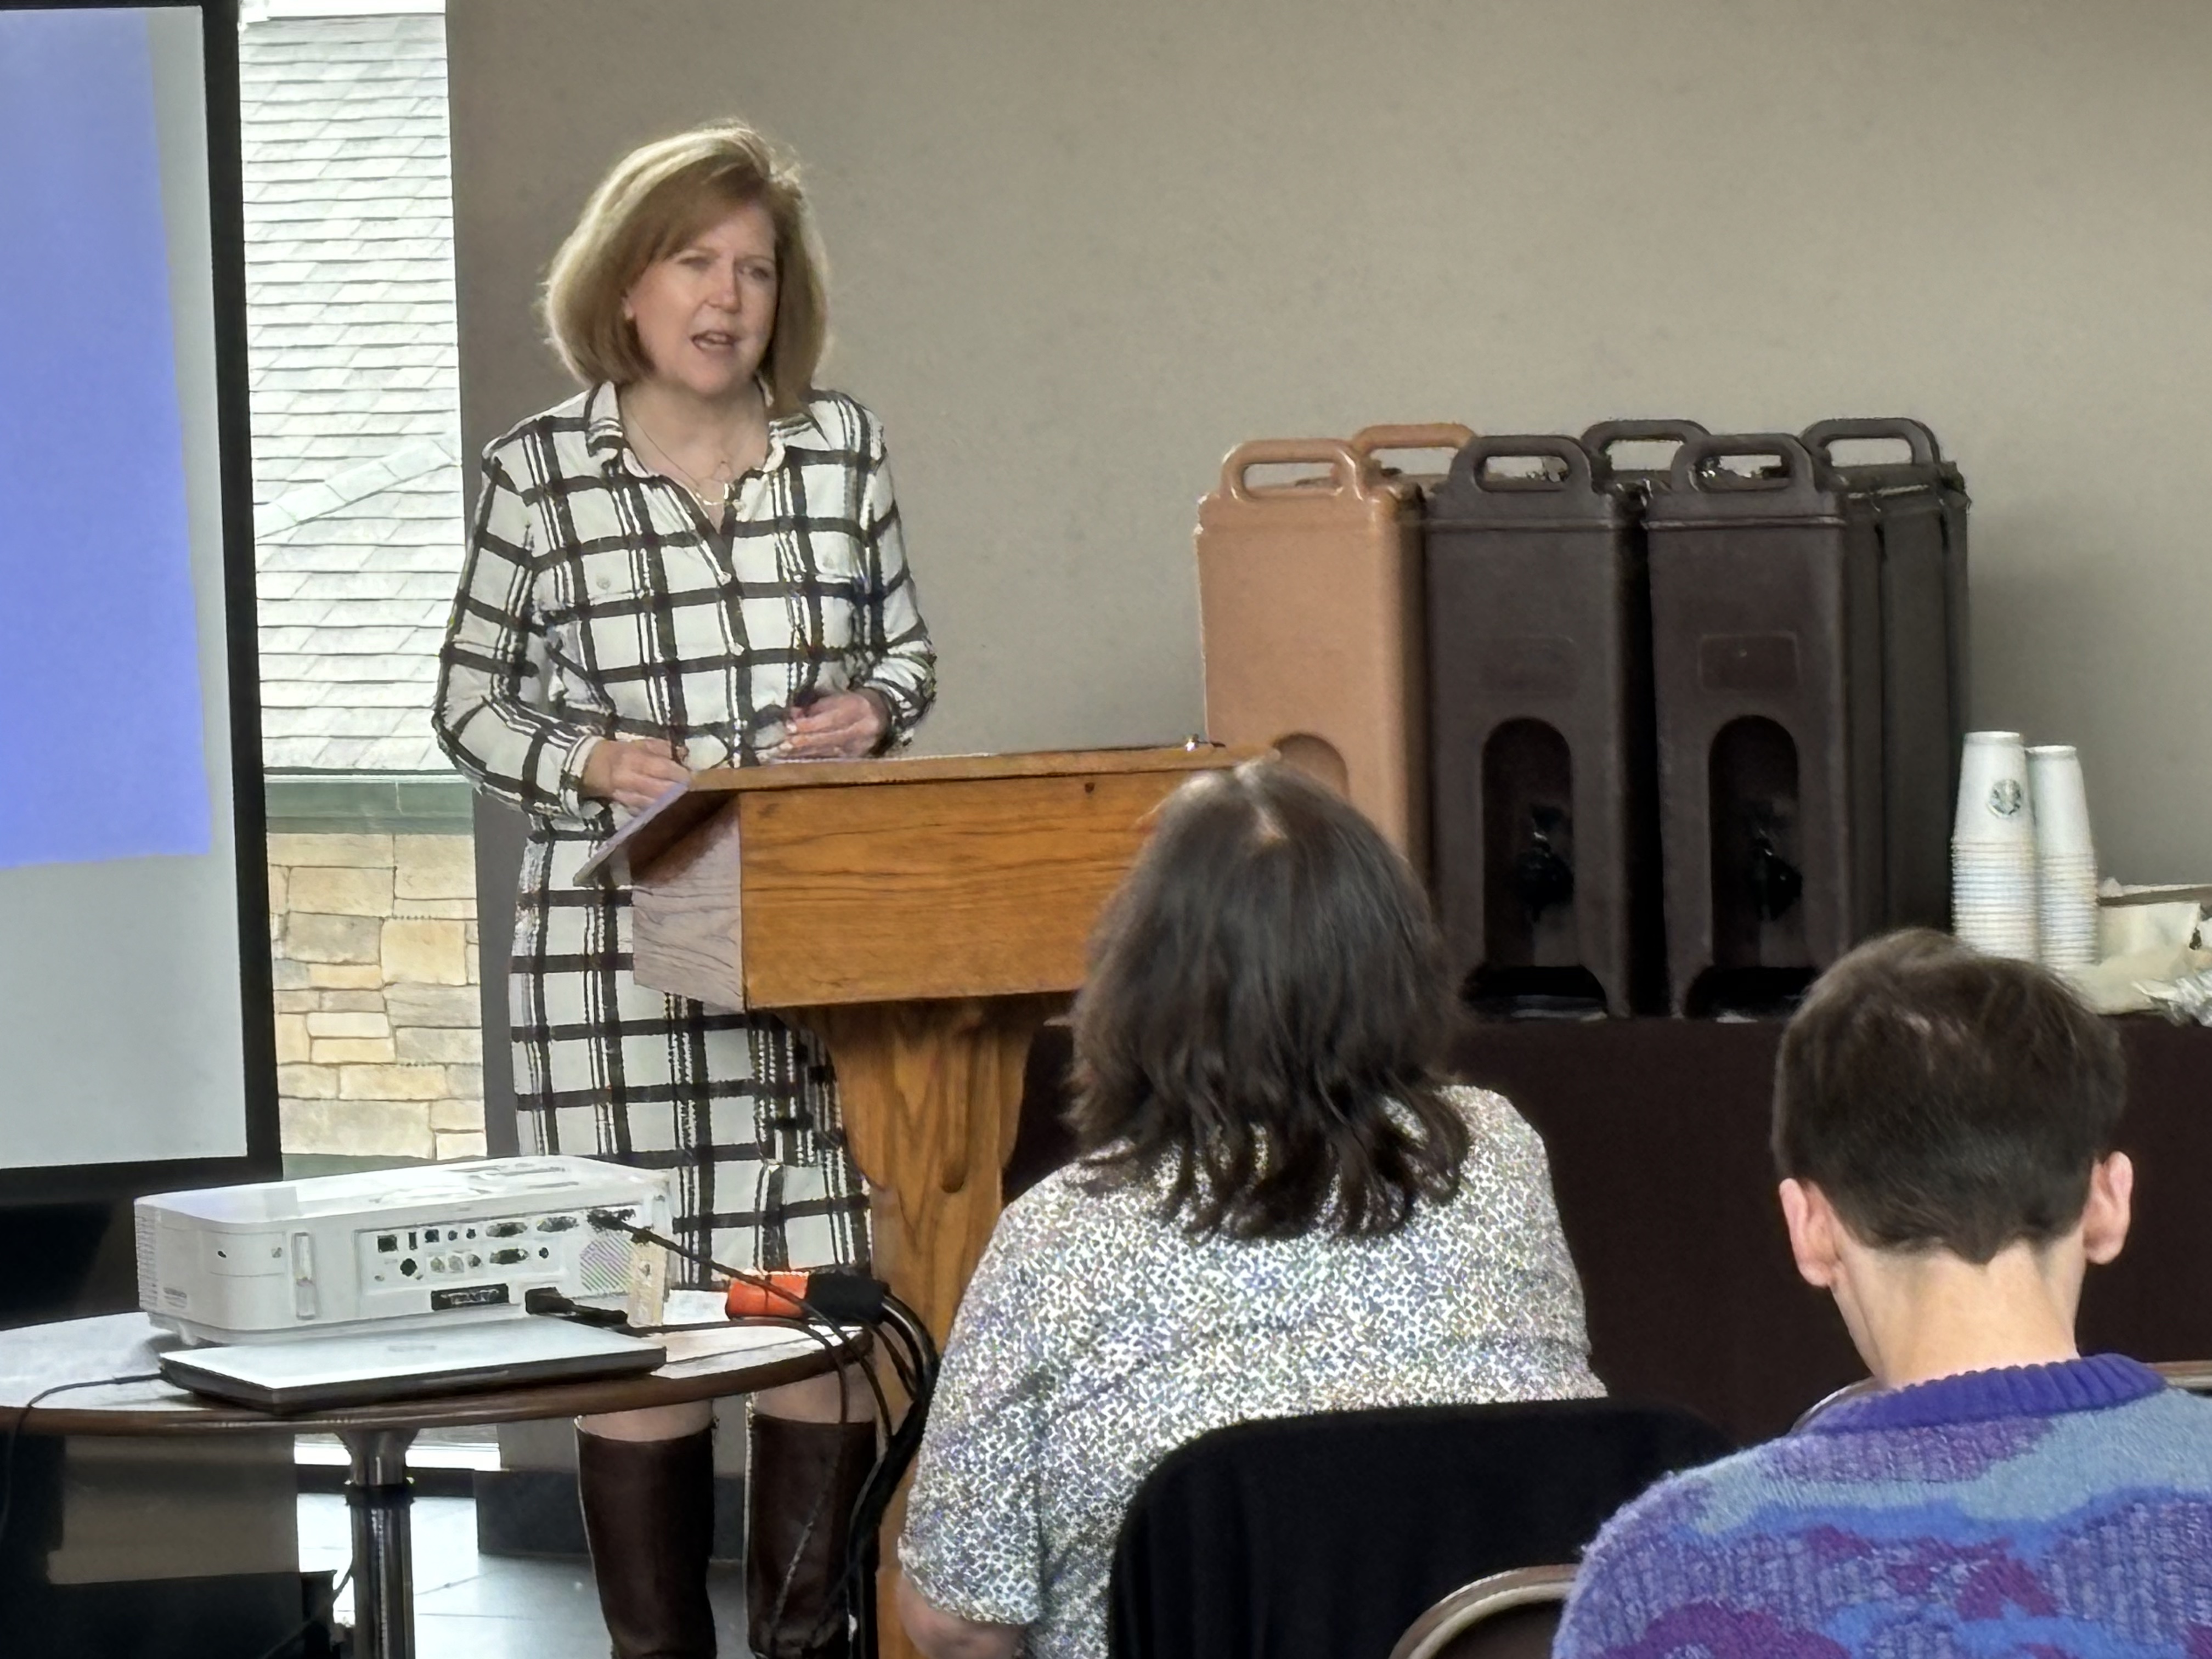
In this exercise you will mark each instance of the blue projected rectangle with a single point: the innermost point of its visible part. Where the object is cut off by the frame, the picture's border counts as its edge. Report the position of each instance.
(101, 715)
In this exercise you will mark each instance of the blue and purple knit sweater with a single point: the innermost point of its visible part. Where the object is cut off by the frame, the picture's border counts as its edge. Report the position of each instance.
(2058, 1511)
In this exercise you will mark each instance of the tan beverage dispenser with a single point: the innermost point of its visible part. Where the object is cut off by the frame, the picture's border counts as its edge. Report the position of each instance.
(1310, 605)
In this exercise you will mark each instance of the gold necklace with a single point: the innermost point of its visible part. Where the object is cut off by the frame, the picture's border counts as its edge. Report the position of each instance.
(713, 491)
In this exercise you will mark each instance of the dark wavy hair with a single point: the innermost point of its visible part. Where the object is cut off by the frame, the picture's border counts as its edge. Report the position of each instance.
(1264, 1016)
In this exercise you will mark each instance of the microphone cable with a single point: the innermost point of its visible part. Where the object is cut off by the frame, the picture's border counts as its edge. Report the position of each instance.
(610, 1221)
(904, 1337)
(855, 1584)
(810, 1316)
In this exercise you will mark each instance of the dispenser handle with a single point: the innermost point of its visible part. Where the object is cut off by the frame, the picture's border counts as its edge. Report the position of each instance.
(1601, 438)
(1695, 468)
(1467, 465)
(1372, 441)
(1349, 472)
(1821, 437)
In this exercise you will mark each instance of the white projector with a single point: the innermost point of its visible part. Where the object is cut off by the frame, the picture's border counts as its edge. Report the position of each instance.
(391, 1248)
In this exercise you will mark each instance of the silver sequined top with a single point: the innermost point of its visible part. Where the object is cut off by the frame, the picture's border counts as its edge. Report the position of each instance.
(1096, 1338)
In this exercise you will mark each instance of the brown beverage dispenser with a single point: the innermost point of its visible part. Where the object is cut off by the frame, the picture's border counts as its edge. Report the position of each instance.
(1919, 506)
(1310, 596)
(1767, 658)
(1544, 845)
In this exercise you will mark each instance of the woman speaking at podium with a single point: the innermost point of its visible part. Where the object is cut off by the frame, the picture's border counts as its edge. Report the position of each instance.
(696, 562)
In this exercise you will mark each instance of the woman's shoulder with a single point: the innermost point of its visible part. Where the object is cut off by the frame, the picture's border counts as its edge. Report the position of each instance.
(846, 424)
(1497, 1134)
(1488, 1112)
(1069, 1212)
(1076, 1194)
(1073, 1216)
(567, 422)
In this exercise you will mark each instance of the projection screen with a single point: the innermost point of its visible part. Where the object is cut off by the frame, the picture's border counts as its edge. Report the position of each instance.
(136, 1048)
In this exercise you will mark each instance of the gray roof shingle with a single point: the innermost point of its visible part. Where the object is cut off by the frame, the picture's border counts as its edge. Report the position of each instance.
(352, 362)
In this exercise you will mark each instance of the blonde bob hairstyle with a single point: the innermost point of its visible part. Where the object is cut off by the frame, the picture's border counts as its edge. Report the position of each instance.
(652, 204)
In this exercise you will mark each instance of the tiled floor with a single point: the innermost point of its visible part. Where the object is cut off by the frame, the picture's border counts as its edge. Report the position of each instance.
(472, 1607)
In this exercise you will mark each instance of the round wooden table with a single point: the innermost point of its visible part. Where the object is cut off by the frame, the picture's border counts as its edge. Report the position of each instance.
(703, 1364)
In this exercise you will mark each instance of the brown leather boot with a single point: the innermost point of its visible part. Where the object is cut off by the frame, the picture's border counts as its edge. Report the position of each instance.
(800, 1481)
(649, 1513)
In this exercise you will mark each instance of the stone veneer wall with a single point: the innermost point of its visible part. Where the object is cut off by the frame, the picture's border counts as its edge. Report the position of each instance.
(380, 1045)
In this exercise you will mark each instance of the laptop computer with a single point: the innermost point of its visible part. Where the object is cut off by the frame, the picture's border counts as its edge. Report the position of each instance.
(327, 1373)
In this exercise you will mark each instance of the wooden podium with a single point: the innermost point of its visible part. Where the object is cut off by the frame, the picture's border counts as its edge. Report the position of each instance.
(923, 918)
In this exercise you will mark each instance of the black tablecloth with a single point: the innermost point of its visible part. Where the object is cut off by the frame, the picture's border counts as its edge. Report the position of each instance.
(1658, 1134)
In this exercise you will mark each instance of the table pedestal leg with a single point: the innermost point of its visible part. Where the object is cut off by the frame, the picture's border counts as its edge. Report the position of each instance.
(383, 1554)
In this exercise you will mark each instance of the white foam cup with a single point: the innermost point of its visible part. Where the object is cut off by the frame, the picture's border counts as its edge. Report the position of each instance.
(1995, 901)
(1993, 804)
(2060, 803)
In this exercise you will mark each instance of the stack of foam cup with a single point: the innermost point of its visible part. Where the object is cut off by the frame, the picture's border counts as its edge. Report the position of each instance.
(1994, 891)
(2065, 857)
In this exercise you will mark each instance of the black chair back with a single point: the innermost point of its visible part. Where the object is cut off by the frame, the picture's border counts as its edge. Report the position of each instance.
(1326, 1537)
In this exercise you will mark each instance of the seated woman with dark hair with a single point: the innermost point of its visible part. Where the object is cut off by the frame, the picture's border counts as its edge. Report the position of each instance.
(1280, 1210)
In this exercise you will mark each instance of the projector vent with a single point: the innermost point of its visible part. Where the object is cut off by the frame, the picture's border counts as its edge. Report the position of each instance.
(603, 1266)
(146, 1282)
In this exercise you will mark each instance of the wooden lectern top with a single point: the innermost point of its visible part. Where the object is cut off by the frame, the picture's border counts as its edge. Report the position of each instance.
(656, 828)
(821, 883)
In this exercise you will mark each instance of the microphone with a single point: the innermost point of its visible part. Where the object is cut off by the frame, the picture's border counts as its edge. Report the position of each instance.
(845, 1298)
(838, 1296)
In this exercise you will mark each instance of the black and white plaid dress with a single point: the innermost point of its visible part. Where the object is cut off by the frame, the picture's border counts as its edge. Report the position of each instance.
(597, 601)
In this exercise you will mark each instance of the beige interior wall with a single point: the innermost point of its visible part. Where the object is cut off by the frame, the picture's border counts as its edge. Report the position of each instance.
(1079, 251)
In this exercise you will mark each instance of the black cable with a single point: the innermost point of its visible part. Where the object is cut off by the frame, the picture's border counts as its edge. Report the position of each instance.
(898, 1346)
(913, 1353)
(915, 1357)
(901, 1445)
(901, 1358)
(861, 1363)
(299, 1634)
(608, 1221)
(23, 1416)
(901, 1323)
(913, 1332)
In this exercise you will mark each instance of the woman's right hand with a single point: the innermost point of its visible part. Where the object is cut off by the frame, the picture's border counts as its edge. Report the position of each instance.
(632, 772)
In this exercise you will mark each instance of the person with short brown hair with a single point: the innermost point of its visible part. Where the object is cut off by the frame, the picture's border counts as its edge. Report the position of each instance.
(1945, 1124)
(1894, 1104)
(694, 563)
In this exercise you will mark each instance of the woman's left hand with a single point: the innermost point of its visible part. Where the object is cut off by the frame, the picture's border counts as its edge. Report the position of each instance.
(842, 724)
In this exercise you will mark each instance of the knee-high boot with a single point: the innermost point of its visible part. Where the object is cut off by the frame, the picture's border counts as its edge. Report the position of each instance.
(801, 1482)
(649, 1513)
